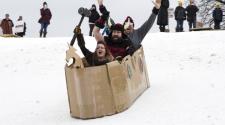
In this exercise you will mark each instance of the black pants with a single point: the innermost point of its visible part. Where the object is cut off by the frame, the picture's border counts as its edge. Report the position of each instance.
(91, 29)
(216, 24)
(20, 34)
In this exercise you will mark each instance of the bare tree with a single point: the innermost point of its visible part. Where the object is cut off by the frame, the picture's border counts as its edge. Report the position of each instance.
(206, 8)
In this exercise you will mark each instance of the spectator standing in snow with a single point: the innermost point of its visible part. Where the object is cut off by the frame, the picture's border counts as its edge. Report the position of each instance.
(46, 16)
(217, 16)
(137, 35)
(180, 16)
(191, 11)
(92, 18)
(20, 27)
(162, 20)
(7, 25)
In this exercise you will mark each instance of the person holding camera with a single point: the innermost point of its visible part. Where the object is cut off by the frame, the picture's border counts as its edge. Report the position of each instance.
(92, 18)
(101, 55)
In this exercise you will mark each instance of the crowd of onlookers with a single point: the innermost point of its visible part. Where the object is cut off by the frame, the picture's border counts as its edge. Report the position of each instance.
(189, 13)
(7, 25)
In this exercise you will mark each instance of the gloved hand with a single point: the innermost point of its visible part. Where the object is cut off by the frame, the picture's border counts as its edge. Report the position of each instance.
(103, 10)
(100, 22)
(119, 58)
(130, 50)
(77, 30)
(155, 10)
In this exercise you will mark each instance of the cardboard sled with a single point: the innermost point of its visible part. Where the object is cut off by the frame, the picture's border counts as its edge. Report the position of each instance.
(107, 89)
(8, 35)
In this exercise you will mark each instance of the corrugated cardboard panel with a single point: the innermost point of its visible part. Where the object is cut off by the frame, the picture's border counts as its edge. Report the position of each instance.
(92, 95)
(107, 89)
(119, 85)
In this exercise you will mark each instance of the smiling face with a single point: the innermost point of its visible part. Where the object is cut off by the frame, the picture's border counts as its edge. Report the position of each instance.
(100, 51)
(129, 28)
(116, 34)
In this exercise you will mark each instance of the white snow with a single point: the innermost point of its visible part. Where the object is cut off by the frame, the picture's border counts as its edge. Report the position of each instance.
(186, 71)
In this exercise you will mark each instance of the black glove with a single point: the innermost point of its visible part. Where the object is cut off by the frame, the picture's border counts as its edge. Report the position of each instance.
(103, 10)
(130, 50)
(100, 23)
(155, 10)
(119, 58)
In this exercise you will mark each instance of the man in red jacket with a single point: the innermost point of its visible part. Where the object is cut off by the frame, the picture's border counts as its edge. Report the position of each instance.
(7, 25)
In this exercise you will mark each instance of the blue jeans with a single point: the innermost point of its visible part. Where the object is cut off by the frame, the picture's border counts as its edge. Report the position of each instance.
(192, 24)
(44, 27)
(179, 27)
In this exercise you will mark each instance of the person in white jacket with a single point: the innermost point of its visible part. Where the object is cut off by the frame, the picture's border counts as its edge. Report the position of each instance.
(20, 27)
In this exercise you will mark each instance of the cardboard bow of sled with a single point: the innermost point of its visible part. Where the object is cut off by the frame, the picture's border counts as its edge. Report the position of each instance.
(107, 89)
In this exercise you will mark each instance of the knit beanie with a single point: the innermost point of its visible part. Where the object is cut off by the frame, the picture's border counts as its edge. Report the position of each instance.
(118, 27)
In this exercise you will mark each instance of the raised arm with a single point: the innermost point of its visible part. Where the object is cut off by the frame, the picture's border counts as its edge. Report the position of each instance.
(100, 23)
(81, 43)
(147, 25)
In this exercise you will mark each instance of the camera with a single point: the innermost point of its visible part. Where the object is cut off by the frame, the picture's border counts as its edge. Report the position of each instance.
(84, 12)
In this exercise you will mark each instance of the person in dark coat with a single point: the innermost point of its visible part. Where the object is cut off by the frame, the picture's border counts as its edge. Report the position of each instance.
(180, 16)
(191, 11)
(92, 18)
(162, 20)
(217, 16)
(118, 42)
(137, 35)
(7, 25)
(46, 16)
(101, 55)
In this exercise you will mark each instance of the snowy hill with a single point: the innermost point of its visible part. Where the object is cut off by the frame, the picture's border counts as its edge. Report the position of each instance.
(186, 72)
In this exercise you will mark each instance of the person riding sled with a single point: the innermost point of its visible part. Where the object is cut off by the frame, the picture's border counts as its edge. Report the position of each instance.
(101, 55)
(118, 42)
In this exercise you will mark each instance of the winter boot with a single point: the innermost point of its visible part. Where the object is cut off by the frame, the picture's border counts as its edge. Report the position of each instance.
(41, 33)
(45, 34)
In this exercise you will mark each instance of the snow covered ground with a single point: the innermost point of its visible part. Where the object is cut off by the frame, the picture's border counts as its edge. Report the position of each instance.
(186, 71)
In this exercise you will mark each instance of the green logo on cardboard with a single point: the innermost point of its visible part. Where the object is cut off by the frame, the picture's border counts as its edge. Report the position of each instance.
(129, 72)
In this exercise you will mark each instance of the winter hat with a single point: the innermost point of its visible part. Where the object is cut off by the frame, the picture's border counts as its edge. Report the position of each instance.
(118, 27)
(127, 22)
(93, 5)
(45, 3)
